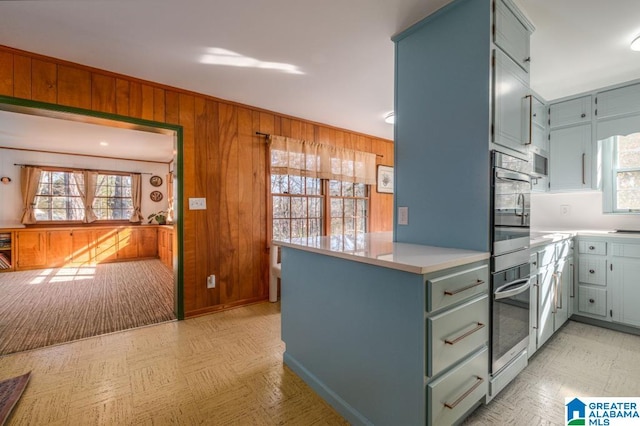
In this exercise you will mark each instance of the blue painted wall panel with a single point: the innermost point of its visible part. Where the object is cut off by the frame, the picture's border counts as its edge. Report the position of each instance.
(442, 162)
(356, 333)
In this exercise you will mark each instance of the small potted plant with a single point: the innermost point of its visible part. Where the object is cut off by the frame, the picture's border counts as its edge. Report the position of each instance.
(160, 217)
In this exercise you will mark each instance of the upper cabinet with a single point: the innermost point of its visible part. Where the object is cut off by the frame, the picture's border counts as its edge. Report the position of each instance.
(511, 34)
(571, 112)
(511, 104)
(621, 101)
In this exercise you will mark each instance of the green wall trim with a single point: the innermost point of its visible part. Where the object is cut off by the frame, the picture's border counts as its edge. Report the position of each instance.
(9, 103)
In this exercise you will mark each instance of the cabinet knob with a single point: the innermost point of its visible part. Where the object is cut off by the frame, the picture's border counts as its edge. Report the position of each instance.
(592, 271)
(583, 115)
(592, 248)
(592, 301)
(527, 59)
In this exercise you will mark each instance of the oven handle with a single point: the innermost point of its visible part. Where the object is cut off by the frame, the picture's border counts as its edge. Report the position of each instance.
(507, 290)
(512, 176)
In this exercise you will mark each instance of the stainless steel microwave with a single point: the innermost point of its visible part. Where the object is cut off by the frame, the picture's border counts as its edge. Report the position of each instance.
(539, 163)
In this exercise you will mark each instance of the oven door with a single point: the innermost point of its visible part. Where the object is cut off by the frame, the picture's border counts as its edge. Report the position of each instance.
(510, 315)
(511, 211)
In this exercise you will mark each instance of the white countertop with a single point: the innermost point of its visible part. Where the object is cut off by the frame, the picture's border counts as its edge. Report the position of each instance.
(542, 237)
(380, 250)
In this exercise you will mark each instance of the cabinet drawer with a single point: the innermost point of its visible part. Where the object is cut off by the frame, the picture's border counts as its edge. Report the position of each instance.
(454, 334)
(592, 301)
(592, 247)
(452, 395)
(449, 289)
(592, 271)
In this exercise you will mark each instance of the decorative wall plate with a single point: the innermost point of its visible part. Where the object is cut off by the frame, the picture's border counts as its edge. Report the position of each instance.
(155, 180)
(156, 196)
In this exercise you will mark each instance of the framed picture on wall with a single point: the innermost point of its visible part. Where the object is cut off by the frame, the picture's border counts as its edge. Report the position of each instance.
(385, 179)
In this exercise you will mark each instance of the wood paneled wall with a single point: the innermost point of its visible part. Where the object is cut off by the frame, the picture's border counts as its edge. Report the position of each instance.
(224, 161)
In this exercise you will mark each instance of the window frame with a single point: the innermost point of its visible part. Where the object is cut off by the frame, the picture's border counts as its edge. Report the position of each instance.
(51, 221)
(610, 170)
(325, 196)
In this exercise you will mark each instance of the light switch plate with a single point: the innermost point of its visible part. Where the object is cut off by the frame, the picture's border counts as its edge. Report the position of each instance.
(197, 203)
(403, 215)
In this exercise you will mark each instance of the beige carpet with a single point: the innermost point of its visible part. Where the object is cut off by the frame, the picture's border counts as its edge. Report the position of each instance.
(48, 306)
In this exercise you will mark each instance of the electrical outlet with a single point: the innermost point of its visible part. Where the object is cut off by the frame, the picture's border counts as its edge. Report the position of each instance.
(403, 215)
(197, 203)
(211, 281)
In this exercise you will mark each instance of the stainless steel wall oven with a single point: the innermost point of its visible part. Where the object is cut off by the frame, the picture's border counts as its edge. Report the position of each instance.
(510, 281)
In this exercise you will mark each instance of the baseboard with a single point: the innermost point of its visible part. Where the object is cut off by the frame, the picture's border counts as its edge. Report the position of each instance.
(340, 405)
(606, 324)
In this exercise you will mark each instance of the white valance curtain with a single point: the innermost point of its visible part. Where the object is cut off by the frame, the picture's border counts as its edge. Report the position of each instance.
(297, 157)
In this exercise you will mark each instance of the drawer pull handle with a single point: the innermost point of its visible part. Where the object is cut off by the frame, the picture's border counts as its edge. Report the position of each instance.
(592, 271)
(460, 290)
(453, 405)
(478, 326)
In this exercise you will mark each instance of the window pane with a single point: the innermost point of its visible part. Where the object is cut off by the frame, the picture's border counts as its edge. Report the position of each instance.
(280, 184)
(336, 208)
(335, 188)
(281, 229)
(298, 228)
(360, 190)
(313, 186)
(296, 185)
(336, 226)
(280, 206)
(315, 207)
(347, 189)
(298, 207)
(629, 151)
(315, 227)
(349, 208)
(628, 190)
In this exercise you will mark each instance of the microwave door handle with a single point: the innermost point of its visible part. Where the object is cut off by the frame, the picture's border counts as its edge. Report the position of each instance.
(520, 197)
(506, 290)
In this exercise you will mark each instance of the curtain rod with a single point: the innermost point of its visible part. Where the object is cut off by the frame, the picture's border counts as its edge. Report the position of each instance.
(267, 136)
(84, 170)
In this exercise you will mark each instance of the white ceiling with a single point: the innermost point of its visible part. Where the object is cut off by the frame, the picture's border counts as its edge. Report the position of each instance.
(25, 131)
(328, 61)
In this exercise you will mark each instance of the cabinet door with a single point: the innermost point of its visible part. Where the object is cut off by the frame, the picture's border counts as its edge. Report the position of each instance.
(571, 112)
(59, 248)
(106, 245)
(563, 283)
(625, 100)
(626, 291)
(510, 104)
(511, 35)
(127, 244)
(147, 242)
(31, 249)
(570, 158)
(82, 247)
(546, 308)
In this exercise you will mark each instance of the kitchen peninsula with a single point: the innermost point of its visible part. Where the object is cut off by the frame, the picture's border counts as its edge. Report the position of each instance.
(387, 332)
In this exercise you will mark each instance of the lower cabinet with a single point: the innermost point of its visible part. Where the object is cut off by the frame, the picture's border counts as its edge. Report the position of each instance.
(625, 283)
(165, 246)
(551, 295)
(59, 247)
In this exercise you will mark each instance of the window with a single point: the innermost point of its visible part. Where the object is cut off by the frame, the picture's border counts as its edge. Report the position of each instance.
(624, 187)
(349, 202)
(58, 198)
(297, 206)
(113, 197)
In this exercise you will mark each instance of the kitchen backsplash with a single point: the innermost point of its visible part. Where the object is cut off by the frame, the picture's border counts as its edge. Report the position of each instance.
(576, 210)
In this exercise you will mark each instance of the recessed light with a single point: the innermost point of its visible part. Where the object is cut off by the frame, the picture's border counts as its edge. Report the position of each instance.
(390, 118)
(104, 143)
(635, 44)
